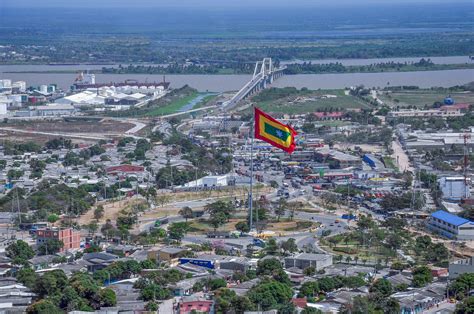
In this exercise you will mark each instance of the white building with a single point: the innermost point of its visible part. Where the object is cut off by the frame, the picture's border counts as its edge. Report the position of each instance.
(451, 226)
(3, 109)
(208, 181)
(463, 266)
(424, 113)
(305, 260)
(453, 188)
(19, 87)
(52, 110)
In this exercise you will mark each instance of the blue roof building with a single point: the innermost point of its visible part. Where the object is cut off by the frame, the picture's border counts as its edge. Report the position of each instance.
(451, 226)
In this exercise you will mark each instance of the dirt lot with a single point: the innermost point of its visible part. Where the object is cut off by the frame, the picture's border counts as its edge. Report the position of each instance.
(38, 138)
(86, 126)
(111, 211)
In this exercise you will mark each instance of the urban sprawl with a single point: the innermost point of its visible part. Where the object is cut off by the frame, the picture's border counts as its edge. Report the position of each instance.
(134, 196)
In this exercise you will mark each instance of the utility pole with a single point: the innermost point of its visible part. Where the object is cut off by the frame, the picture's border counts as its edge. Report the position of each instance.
(466, 136)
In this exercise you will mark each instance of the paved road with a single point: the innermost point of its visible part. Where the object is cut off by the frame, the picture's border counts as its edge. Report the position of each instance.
(185, 112)
(400, 155)
(138, 126)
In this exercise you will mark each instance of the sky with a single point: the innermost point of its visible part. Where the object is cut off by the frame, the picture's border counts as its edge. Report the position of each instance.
(203, 3)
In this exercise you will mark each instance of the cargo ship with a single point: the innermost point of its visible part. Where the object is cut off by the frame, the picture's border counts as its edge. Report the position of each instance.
(87, 80)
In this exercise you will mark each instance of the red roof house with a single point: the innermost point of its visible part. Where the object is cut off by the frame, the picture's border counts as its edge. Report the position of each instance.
(299, 302)
(125, 169)
(337, 115)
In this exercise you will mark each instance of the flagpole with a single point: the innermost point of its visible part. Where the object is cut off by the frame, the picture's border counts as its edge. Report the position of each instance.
(252, 135)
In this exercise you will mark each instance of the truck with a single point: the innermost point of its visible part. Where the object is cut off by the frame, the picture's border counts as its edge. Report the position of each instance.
(348, 217)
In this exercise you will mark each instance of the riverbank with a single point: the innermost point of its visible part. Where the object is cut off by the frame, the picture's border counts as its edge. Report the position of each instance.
(293, 69)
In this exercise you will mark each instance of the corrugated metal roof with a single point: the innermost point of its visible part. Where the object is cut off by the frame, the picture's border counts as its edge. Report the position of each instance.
(449, 218)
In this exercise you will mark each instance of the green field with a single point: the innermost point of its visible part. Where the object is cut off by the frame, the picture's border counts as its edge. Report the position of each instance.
(172, 107)
(420, 98)
(205, 101)
(309, 101)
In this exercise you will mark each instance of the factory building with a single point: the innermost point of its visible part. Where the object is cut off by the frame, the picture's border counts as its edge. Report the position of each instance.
(453, 188)
(451, 226)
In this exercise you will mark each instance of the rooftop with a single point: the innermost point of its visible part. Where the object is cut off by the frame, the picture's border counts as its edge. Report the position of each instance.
(450, 218)
(311, 256)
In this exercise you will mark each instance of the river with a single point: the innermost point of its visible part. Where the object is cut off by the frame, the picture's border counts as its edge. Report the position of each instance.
(222, 83)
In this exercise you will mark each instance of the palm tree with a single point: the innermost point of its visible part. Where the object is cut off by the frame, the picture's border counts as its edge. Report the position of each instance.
(339, 258)
(356, 258)
(186, 212)
(348, 259)
(364, 261)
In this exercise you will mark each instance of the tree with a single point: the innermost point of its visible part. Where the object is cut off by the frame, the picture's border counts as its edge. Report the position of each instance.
(242, 226)
(287, 308)
(466, 306)
(107, 297)
(177, 230)
(292, 207)
(226, 208)
(281, 208)
(50, 283)
(289, 245)
(27, 277)
(437, 252)
(394, 241)
(154, 292)
(217, 219)
(268, 266)
(92, 227)
(327, 284)
(309, 271)
(311, 310)
(51, 246)
(217, 283)
(85, 285)
(186, 212)
(271, 247)
(365, 222)
(43, 307)
(421, 276)
(227, 301)
(151, 306)
(460, 287)
(99, 212)
(389, 306)
(148, 264)
(382, 287)
(309, 289)
(70, 300)
(53, 218)
(270, 294)
(20, 252)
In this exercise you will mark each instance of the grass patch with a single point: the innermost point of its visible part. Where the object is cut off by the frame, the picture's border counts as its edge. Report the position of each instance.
(204, 101)
(300, 225)
(422, 97)
(304, 101)
(390, 163)
(345, 249)
(172, 107)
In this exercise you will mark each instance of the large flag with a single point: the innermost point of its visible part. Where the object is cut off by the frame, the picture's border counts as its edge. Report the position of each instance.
(274, 132)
